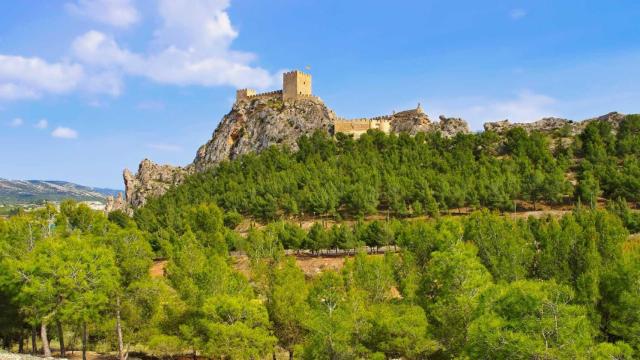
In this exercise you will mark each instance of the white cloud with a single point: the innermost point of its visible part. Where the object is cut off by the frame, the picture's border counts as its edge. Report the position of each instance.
(118, 13)
(96, 48)
(64, 133)
(17, 122)
(165, 147)
(192, 48)
(22, 77)
(517, 14)
(41, 124)
(32, 77)
(10, 91)
(524, 106)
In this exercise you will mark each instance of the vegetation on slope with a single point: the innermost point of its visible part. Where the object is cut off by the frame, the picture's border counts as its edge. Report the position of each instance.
(478, 286)
(481, 286)
(409, 176)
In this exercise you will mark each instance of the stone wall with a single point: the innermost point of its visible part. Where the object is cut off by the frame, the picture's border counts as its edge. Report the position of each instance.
(295, 84)
(249, 94)
(357, 127)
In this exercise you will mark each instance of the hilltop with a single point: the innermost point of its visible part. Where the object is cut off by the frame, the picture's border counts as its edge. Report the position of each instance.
(280, 118)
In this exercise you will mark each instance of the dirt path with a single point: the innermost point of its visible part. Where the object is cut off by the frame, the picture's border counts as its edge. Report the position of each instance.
(524, 210)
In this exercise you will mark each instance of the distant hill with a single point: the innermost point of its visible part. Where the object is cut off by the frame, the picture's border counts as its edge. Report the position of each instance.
(31, 191)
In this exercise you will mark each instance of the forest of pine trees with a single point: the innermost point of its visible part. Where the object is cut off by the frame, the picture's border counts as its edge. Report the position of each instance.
(482, 285)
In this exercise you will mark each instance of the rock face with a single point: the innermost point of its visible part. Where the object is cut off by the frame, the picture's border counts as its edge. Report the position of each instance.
(415, 121)
(254, 124)
(552, 124)
(151, 180)
(450, 127)
(257, 124)
(251, 125)
(545, 125)
(410, 122)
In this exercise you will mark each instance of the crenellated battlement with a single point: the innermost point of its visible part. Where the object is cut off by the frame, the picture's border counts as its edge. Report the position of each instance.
(295, 84)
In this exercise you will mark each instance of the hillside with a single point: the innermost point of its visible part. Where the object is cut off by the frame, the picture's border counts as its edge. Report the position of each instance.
(400, 175)
(31, 191)
(248, 252)
(255, 124)
(259, 121)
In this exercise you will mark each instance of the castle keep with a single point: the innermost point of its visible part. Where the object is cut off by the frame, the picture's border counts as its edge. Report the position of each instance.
(295, 85)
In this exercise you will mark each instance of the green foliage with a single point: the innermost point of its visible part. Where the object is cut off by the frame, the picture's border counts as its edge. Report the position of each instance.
(449, 293)
(483, 285)
(503, 245)
(400, 174)
(529, 320)
(287, 305)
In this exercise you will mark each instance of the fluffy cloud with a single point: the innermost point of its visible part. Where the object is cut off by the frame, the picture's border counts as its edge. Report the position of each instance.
(193, 43)
(96, 48)
(32, 77)
(41, 124)
(64, 133)
(22, 77)
(192, 46)
(118, 13)
(17, 122)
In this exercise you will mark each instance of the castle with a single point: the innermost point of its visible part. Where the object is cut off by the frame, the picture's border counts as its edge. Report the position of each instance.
(297, 85)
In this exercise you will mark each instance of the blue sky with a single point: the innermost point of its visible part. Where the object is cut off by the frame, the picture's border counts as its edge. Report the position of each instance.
(88, 88)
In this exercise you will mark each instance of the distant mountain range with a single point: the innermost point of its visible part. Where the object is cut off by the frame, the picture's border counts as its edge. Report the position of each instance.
(32, 191)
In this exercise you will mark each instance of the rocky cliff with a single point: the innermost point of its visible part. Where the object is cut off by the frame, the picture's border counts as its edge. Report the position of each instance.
(551, 124)
(257, 123)
(251, 125)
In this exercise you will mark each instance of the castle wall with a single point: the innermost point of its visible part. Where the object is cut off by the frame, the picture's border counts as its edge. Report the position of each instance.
(357, 127)
(248, 94)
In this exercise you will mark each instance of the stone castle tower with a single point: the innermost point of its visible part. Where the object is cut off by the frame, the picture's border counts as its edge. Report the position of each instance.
(295, 84)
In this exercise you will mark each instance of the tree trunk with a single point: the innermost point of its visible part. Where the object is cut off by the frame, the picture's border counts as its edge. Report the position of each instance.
(34, 333)
(291, 354)
(45, 340)
(61, 339)
(21, 343)
(195, 354)
(84, 341)
(122, 355)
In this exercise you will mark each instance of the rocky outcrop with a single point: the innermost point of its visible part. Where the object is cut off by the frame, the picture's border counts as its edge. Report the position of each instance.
(410, 122)
(553, 124)
(415, 121)
(259, 123)
(117, 203)
(545, 125)
(251, 125)
(450, 127)
(151, 180)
